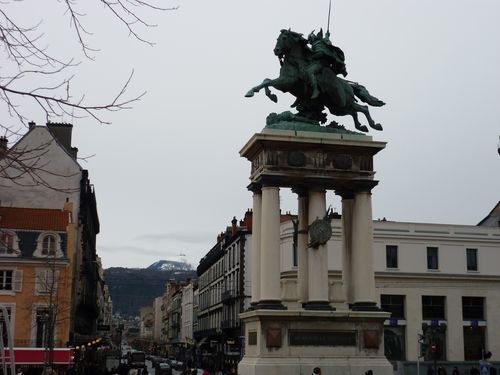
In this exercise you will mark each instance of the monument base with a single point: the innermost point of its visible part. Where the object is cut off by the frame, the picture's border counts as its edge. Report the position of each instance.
(293, 342)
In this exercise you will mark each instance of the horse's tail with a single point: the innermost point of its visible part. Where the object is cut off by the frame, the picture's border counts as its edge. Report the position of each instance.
(361, 92)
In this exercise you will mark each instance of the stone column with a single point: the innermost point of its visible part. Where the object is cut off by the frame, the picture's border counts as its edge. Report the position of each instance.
(347, 207)
(317, 259)
(302, 250)
(270, 264)
(256, 238)
(363, 276)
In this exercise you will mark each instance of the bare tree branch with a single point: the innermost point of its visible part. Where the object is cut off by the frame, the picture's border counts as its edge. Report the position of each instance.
(29, 58)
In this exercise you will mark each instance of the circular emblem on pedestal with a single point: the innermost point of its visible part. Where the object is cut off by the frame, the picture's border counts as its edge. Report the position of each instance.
(296, 159)
(320, 231)
(342, 161)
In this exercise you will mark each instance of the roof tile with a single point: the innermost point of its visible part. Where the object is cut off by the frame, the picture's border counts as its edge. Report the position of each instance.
(33, 218)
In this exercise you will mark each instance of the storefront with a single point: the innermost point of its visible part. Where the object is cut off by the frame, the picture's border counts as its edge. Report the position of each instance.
(33, 360)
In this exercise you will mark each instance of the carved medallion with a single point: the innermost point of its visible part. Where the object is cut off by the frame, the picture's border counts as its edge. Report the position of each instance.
(342, 161)
(296, 159)
(320, 232)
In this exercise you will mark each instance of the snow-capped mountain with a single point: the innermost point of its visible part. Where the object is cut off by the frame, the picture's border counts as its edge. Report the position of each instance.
(170, 265)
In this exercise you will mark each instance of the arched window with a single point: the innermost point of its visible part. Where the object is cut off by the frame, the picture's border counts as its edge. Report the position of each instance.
(8, 243)
(49, 245)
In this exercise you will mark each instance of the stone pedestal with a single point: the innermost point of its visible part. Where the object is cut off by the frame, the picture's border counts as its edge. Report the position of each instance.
(293, 342)
(280, 341)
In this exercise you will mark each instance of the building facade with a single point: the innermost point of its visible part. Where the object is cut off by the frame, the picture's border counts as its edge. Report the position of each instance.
(41, 171)
(440, 281)
(36, 274)
(223, 290)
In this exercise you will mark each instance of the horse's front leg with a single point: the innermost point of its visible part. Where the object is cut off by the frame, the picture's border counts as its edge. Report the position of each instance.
(270, 95)
(265, 83)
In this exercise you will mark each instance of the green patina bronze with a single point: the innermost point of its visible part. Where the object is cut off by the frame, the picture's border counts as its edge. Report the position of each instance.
(309, 71)
(290, 121)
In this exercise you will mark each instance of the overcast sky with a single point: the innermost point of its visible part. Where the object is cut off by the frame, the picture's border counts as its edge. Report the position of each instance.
(168, 175)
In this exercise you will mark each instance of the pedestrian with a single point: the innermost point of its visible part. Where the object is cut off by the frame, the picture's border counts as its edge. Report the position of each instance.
(455, 371)
(316, 371)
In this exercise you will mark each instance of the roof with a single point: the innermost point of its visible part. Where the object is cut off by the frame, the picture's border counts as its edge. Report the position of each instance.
(493, 218)
(34, 218)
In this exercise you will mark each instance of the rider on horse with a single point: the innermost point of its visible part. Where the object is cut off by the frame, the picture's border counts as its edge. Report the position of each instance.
(324, 55)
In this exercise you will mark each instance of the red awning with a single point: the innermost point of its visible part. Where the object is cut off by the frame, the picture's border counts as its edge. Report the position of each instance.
(36, 356)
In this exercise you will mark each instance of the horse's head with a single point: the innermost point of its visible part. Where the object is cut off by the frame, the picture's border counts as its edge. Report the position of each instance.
(286, 40)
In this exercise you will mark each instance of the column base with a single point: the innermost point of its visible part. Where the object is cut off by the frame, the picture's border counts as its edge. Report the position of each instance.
(365, 306)
(269, 304)
(318, 306)
(253, 306)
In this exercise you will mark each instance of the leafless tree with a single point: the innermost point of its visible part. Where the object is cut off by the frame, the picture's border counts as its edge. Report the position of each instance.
(54, 309)
(26, 61)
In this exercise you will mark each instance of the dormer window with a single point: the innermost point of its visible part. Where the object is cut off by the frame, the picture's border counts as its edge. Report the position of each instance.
(48, 245)
(8, 243)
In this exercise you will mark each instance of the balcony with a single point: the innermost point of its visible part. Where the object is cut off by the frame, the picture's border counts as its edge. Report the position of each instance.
(228, 295)
(228, 324)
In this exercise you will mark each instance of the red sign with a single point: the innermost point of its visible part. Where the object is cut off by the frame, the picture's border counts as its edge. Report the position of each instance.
(37, 356)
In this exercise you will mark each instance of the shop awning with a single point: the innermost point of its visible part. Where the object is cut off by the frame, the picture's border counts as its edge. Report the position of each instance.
(36, 356)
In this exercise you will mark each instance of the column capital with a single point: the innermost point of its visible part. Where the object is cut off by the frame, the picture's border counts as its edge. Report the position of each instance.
(360, 186)
(301, 191)
(255, 188)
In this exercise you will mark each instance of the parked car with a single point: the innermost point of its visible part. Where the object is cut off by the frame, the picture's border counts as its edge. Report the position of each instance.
(163, 368)
(136, 359)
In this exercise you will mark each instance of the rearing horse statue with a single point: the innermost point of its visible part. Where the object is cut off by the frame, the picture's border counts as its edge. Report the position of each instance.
(324, 89)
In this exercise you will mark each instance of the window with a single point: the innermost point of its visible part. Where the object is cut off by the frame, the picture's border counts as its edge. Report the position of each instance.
(432, 258)
(471, 259)
(11, 281)
(8, 243)
(473, 308)
(4, 325)
(433, 308)
(394, 343)
(391, 256)
(43, 317)
(46, 281)
(6, 282)
(474, 342)
(48, 245)
(395, 304)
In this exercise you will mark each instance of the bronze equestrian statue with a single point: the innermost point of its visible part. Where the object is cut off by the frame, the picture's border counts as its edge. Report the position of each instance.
(309, 71)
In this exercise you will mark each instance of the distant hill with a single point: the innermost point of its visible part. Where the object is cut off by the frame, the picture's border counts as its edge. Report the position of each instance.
(170, 265)
(133, 288)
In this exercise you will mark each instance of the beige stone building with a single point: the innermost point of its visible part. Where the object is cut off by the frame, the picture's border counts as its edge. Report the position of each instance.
(436, 277)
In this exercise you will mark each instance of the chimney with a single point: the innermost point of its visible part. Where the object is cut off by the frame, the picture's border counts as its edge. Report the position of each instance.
(74, 152)
(234, 227)
(248, 219)
(3, 146)
(62, 132)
